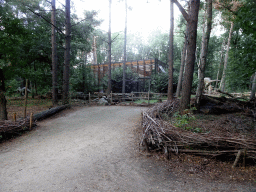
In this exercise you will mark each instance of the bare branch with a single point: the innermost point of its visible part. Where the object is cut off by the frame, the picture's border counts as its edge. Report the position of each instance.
(78, 23)
(182, 10)
(39, 15)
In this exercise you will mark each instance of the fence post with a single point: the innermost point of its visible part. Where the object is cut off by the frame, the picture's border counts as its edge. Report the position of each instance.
(148, 97)
(111, 99)
(14, 117)
(89, 98)
(31, 121)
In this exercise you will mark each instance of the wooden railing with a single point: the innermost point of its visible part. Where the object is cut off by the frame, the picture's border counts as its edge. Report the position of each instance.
(118, 97)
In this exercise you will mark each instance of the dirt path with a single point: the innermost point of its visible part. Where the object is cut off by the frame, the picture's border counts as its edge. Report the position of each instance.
(91, 149)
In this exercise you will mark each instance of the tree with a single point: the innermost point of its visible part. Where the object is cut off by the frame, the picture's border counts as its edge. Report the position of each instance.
(11, 34)
(182, 63)
(252, 96)
(67, 55)
(222, 83)
(54, 57)
(170, 71)
(204, 51)
(125, 39)
(109, 51)
(192, 19)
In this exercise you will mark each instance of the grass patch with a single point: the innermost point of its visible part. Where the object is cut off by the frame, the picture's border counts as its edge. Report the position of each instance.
(30, 102)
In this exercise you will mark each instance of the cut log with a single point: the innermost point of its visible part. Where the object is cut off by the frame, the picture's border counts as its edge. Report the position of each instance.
(50, 112)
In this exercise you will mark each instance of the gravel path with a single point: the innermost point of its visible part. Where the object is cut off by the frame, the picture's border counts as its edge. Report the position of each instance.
(90, 149)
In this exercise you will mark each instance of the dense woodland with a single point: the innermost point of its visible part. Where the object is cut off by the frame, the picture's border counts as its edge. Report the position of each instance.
(51, 48)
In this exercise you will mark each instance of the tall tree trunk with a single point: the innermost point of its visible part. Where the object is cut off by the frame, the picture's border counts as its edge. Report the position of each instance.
(54, 58)
(83, 67)
(221, 63)
(253, 87)
(94, 51)
(170, 57)
(109, 51)
(67, 55)
(3, 102)
(125, 39)
(203, 55)
(192, 20)
(183, 59)
(222, 83)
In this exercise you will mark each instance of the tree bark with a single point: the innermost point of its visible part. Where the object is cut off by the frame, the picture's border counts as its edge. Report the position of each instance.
(192, 20)
(253, 87)
(203, 55)
(54, 58)
(83, 67)
(109, 51)
(170, 57)
(3, 102)
(222, 83)
(183, 59)
(125, 39)
(67, 55)
(221, 62)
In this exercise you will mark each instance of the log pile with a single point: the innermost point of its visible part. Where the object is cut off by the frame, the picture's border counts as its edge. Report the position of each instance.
(8, 128)
(162, 135)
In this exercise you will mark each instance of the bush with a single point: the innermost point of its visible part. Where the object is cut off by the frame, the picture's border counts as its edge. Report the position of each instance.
(159, 82)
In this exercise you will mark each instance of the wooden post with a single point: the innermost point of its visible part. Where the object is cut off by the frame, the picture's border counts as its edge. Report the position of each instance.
(14, 117)
(148, 97)
(31, 121)
(144, 75)
(26, 96)
(132, 96)
(137, 66)
(244, 158)
(237, 158)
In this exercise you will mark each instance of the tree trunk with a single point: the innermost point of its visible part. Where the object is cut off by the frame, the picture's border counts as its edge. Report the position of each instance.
(253, 87)
(67, 55)
(170, 56)
(125, 39)
(83, 67)
(3, 102)
(109, 51)
(221, 62)
(94, 51)
(192, 19)
(222, 83)
(183, 59)
(203, 55)
(54, 58)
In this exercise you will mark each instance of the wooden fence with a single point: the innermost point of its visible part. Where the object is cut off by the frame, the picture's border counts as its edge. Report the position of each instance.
(117, 97)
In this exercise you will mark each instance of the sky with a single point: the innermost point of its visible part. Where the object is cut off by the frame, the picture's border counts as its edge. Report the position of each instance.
(144, 16)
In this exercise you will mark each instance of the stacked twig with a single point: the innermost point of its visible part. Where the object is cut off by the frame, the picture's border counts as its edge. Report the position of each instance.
(160, 134)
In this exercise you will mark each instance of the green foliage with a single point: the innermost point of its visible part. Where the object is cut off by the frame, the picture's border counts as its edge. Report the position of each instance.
(246, 18)
(25, 41)
(82, 80)
(12, 86)
(159, 82)
(242, 62)
(183, 120)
